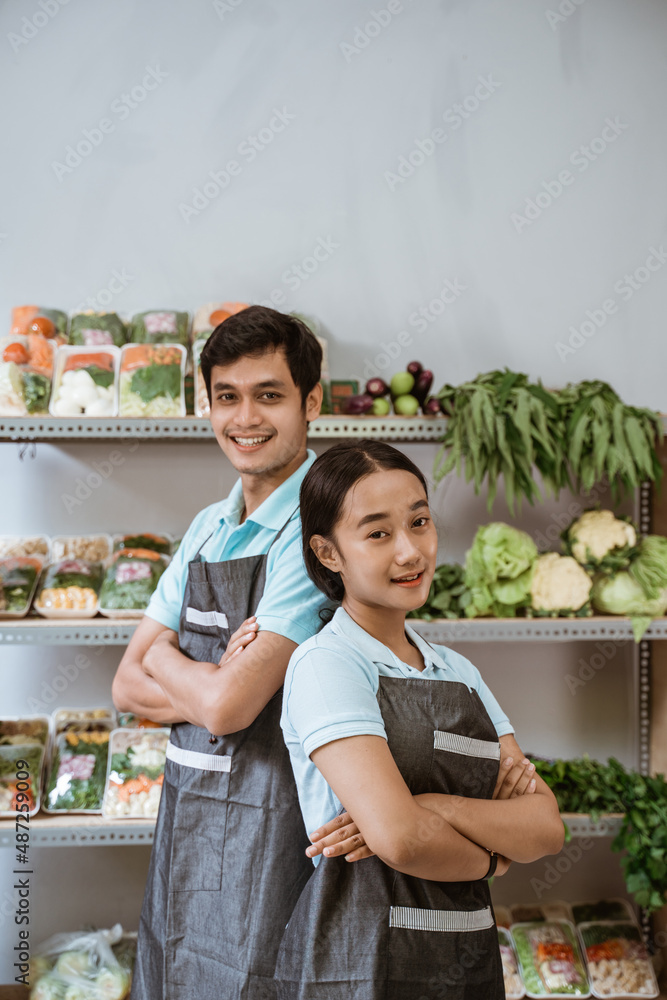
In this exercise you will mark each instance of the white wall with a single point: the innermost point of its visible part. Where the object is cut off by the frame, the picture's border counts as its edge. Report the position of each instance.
(220, 72)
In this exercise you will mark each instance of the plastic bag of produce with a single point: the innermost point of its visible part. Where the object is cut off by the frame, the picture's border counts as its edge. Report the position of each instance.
(77, 772)
(92, 965)
(18, 581)
(49, 323)
(85, 382)
(91, 329)
(151, 380)
(550, 959)
(160, 326)
(69, 589)
(130, 580)
(136, 772)
(618, 964)
(26, 373)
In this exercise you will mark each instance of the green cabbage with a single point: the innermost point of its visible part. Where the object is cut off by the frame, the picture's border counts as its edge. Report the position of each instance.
(649, 569)
(623, 595)
(499, 570)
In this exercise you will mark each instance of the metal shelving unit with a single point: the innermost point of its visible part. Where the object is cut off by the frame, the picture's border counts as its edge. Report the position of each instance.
(118, 631)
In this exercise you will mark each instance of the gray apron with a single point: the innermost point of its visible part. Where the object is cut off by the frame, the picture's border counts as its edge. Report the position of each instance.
(228, 859)
(362, 931)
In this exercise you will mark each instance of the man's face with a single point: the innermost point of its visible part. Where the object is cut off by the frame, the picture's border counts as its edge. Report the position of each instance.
(257, 413)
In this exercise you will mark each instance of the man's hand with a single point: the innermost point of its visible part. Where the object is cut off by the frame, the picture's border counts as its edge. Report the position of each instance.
(340, 836)
(514, 779)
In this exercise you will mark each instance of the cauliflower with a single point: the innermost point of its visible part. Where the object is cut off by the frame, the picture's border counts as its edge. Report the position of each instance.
(559, 584)
(600, 541)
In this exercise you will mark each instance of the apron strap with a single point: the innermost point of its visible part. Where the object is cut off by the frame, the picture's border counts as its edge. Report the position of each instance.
(198, 554)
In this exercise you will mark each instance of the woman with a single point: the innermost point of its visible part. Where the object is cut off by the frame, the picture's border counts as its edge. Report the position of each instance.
(409, 739)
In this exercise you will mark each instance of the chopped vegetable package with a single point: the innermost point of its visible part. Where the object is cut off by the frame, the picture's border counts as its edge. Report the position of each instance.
(25, 545)
(136, 772)
(513, 985)
(88, 965)
(146, 540)
(26, 730)
(558, 909)
(202, 405)
(207, 317)
(91, 329)
(130, 580)
(26, 373)
(128, 720)
(618, 964)
(160, 326)
(70, 588)
(20, 777)
(49, 323)
(82, 720)
(78, 770)
(603, 909)
(18, 581)
(95, 548)
(151, 380)
(85, 382)
(550, 959)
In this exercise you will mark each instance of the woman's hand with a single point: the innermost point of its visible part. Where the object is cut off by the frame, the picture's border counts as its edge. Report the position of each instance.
(515, 779)
(244, 634)
(340, 836)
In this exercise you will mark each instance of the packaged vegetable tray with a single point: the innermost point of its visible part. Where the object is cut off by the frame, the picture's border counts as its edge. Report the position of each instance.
(94, 548)
(550, 959)
(136, 772)
(83, 720)
(130, 580)
(21, 766)
(144, 540)
(69, 589)
(202, 405)
(151, 380)
(618, 964)
(77, 770)
(26, 374)
(85, 382)
(503, 916)
(160, 326)
(25, 545)
(207, 317)
(556, 909)
(603, 909)
(19, 578)
(83, 965)
(24, 730)
(49, 323)
(128, 720)
(513, 984)
(97, 329)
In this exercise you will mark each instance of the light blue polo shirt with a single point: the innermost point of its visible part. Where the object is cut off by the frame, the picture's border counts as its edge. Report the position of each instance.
(330, 692)
(291, 602)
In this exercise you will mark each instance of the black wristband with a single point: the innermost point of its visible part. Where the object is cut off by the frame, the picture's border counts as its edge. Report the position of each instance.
(493, 862)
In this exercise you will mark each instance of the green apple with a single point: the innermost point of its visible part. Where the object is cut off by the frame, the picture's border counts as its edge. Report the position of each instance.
(381, 407)
(401, 383)
(406, 406)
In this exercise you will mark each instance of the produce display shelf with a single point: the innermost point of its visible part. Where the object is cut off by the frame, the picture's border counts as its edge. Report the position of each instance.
(64, 831)
(118, 631)
(390, 428)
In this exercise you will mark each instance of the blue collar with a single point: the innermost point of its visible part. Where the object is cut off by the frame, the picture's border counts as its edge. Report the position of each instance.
(273, 512)
(376, 651)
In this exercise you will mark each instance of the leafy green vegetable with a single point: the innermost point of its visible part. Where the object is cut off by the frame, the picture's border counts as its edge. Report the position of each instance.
(110, 322)
(123, 590)
(649, 569)
(535, 972)
(100, 376)
(152, 381)
(16, 587)
(157, 543)
(498, 570)
(588, 786)
(448, 595)
(78, 772)
(124, 768)
(622, 595)
(36, 392)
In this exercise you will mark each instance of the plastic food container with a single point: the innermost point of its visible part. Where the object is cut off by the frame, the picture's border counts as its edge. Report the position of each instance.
(144, 540)
(556, 909)
(128, 720)
(83, 719)
(69, 589)
(602, 910)
(26, 374)
(202, 405)
(25, 545)
(618, 964)
(160, 326)
(503, 916)
(19, 578)
(513, 985)
(130, 579)
(151, 380)
(24, 730)
(211, 315)
(77, 772)
(85, 382)
(136, 772)
(95, 548)
(15, 760)
(550, 959)
(97, 329)
(49, 323)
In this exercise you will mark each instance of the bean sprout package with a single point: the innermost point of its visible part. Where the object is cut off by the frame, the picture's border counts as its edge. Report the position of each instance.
(90, 965)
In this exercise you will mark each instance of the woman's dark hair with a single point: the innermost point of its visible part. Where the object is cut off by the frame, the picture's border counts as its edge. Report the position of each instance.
(323, 492)
(256, 330)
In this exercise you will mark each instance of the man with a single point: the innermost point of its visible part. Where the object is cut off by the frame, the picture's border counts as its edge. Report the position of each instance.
(228, 859)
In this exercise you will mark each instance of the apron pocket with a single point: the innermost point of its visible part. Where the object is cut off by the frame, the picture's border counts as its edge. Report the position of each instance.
(465, 745)
(199, 819)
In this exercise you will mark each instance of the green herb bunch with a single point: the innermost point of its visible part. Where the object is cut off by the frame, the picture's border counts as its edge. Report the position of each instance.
(448, 596)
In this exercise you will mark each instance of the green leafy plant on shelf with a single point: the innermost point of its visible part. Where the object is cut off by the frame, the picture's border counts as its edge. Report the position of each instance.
(584, 785)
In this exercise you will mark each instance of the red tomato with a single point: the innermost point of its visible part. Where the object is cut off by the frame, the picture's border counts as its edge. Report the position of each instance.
(16, 353)
(43, 325)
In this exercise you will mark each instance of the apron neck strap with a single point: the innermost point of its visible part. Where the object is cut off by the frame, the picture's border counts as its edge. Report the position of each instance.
(275, 539)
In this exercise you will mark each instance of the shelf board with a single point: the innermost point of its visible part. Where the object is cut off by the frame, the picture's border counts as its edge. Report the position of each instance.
(101, 631)
(390, 428)
(581, 825)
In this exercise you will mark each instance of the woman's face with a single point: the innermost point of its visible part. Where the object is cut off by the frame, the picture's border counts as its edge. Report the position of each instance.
(385, 542)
